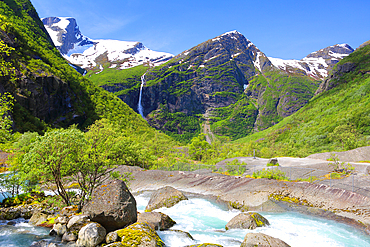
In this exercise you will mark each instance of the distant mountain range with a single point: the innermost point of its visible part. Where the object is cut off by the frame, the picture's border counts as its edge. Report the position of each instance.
(227, 79)
(88, 53)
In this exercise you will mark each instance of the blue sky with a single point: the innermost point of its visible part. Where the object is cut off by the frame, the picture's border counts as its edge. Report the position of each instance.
(288, 29)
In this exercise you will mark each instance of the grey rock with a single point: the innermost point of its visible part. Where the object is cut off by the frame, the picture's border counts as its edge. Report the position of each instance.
(112, 205)
(91, 235)
(61, 220)
(111, 237)
(260, 239)
(273, 161)
(249, 220)
(156, 220)
(69, 237)
(60, 229)
(116, 244)
(77, 220)
(164, 197)
(38, 218)
(368, 170)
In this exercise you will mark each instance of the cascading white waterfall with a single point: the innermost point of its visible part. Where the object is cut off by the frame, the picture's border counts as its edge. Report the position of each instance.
(139, 106)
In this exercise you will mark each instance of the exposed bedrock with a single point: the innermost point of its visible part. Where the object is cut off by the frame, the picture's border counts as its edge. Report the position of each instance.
(257, 194)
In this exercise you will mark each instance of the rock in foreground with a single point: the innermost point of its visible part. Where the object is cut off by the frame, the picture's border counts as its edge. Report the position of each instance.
(112, 205)
(247, 220)
(139, 235)
(165, 197)
(260, 239)
(156, 220)
(91, 235)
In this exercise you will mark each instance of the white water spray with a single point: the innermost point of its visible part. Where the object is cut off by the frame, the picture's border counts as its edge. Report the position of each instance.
(139, 106)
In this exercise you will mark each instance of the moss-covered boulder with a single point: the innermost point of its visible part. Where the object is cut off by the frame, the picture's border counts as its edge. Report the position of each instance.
(38, 218)
(156, 220)
(164, 197)
(139, 235)
(249, 220)
(112, 205)
(260, 239)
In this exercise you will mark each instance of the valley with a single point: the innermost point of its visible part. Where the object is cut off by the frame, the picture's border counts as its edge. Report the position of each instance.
(79, 113)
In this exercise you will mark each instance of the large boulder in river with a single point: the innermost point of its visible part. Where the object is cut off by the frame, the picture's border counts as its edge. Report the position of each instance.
(112, 205)
(249, 220)
(260, 239)
(139, 235)
(91, 235)
(164, 197)
(156, 220)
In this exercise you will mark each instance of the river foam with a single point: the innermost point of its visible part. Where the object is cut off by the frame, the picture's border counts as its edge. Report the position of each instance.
(206, 221)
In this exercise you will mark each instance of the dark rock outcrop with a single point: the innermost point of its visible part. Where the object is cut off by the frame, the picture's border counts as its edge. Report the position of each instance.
(156, 220)
(164, 197)
(248, 220)
(332, 80)
(112, 205)
(261, 239)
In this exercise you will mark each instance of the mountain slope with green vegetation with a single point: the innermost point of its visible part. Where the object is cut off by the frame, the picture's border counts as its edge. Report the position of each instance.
(47, 91)
(337, 118)
(211, 78)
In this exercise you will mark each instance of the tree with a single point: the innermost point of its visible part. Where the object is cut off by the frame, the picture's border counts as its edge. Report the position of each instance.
(51, 158)
(347, 135)
(6, 107)
(105, 149)
(199, 147)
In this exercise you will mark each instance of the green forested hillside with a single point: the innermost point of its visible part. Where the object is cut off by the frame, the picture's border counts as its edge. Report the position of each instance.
(34, 72)
(336, 119)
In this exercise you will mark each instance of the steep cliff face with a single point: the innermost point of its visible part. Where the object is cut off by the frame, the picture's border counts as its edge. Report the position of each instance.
(210, 75)
(44, 85)
(34, 87)
(353, 66)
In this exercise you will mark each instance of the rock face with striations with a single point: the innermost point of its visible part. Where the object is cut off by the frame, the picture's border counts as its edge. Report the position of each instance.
(164, 197)
(112, 205)
(263, 240)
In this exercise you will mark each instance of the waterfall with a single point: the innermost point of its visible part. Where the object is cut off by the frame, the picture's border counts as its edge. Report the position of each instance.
(139, 106)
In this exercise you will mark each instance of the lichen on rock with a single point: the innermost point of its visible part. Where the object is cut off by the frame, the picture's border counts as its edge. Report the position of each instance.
(165, 197)
(139, 235)
(248, 220)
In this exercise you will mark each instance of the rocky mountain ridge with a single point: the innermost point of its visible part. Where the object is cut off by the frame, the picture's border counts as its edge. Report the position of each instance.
(317, 64)
(88, 53)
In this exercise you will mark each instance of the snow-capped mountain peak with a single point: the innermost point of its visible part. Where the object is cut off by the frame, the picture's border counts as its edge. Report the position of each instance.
(317, 64)
(88, 53)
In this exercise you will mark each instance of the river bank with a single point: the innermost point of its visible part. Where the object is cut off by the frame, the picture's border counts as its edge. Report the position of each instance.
(262, 194)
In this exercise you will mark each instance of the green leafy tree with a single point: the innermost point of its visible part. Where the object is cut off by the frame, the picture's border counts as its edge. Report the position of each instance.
(6, 107)
(199, 147)
(105, 149)
(6, 67)
(347, 135)
(51, 158)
